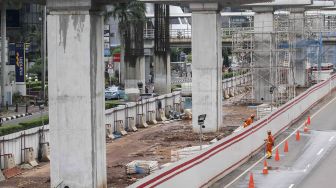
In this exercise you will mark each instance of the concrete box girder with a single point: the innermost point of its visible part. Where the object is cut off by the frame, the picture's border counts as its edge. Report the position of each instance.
(223, 3)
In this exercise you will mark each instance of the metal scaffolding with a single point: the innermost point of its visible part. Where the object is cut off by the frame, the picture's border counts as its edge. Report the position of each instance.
(271, 55)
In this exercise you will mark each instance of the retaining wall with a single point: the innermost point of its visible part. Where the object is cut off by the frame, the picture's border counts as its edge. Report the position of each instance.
(213, 163)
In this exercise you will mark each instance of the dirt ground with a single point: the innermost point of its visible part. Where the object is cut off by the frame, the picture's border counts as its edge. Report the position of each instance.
(153, 143)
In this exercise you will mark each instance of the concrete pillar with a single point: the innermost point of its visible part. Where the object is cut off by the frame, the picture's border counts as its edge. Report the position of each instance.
(296, 17)
(135, 72)
(207, 65)
(3, 51)
(162, 73)
(76, 97)
(263, 26)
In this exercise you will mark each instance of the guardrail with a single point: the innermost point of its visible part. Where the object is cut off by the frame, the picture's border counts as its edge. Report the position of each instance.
(211, 164)
(131, 112)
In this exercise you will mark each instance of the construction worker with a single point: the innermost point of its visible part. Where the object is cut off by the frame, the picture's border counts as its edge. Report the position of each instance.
(249, 121)
(269, 144)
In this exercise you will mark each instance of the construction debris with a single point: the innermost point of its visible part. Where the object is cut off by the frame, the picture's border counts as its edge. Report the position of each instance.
(141, 167)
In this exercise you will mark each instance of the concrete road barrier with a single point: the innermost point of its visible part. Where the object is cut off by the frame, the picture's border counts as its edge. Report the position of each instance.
(211, 164)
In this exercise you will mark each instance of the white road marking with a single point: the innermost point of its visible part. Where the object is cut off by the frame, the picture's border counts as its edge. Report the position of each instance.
(321, 150)
(291, 186)
(332, 138)
(306, 168)
(294, 132)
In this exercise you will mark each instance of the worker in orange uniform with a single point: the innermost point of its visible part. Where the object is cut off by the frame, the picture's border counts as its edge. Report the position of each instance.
(249, 121)
(269, 144)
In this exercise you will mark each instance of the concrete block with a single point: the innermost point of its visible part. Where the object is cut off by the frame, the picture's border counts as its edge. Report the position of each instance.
(167, 109)
(9, 161)
(2, 177)
(13, 117)
(120, 128)
(226, 94)
(152, 118)
(45, 152)
(141, 121)
(29, 157)
(231, 92)
(131, 124)
(109, 131)
(162, 116)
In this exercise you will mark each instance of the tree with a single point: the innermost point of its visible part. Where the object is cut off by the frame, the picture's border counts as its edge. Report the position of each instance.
(127, 14)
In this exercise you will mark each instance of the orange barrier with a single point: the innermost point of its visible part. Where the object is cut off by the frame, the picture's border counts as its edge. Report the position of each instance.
(251, 182)
(297, 135)
(277, 157)
(265, 169)
(286, 146)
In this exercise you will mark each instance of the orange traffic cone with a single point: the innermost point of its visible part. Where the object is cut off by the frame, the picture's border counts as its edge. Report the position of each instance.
(251, 183)
(286, 146)
(277, 157)
(297, 136)
(265, 169)
(305, 129)
(308, 120)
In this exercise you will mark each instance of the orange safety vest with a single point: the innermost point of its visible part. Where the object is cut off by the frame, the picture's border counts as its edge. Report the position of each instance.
(270, 143)
(248, 122)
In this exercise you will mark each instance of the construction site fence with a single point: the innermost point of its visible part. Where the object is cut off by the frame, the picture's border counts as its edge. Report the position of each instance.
(15, 144)
(213, 163)
(145, 108)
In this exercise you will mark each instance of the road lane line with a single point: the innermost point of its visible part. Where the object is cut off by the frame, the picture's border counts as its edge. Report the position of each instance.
(332, 138)
(306, 168)
(291, 186)
(321, 150)
(294, 132)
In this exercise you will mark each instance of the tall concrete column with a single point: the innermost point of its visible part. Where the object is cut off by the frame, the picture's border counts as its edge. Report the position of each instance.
(207, 65)
(262, 58)
(135, 72)
(76, 97)
(134, 60)
(3, 51)
(162, 74)
(296, 17)
(162, 71)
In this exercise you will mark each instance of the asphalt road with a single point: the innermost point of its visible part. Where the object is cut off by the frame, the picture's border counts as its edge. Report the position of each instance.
(18, 120)
(310, 162)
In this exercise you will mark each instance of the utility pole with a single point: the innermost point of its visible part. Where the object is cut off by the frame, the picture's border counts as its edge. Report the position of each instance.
(44, 51)
(3, 50)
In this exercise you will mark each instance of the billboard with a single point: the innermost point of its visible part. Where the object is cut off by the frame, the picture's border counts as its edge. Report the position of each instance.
(19, 62)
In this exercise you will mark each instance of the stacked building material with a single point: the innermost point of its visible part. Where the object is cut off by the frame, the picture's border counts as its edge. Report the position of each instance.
(141, 167)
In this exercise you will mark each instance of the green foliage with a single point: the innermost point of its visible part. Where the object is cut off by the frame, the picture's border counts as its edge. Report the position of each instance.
(36, 68)
(228, 75)
(9, 129)
(35, 122)
(17, 98)
(111, 104)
